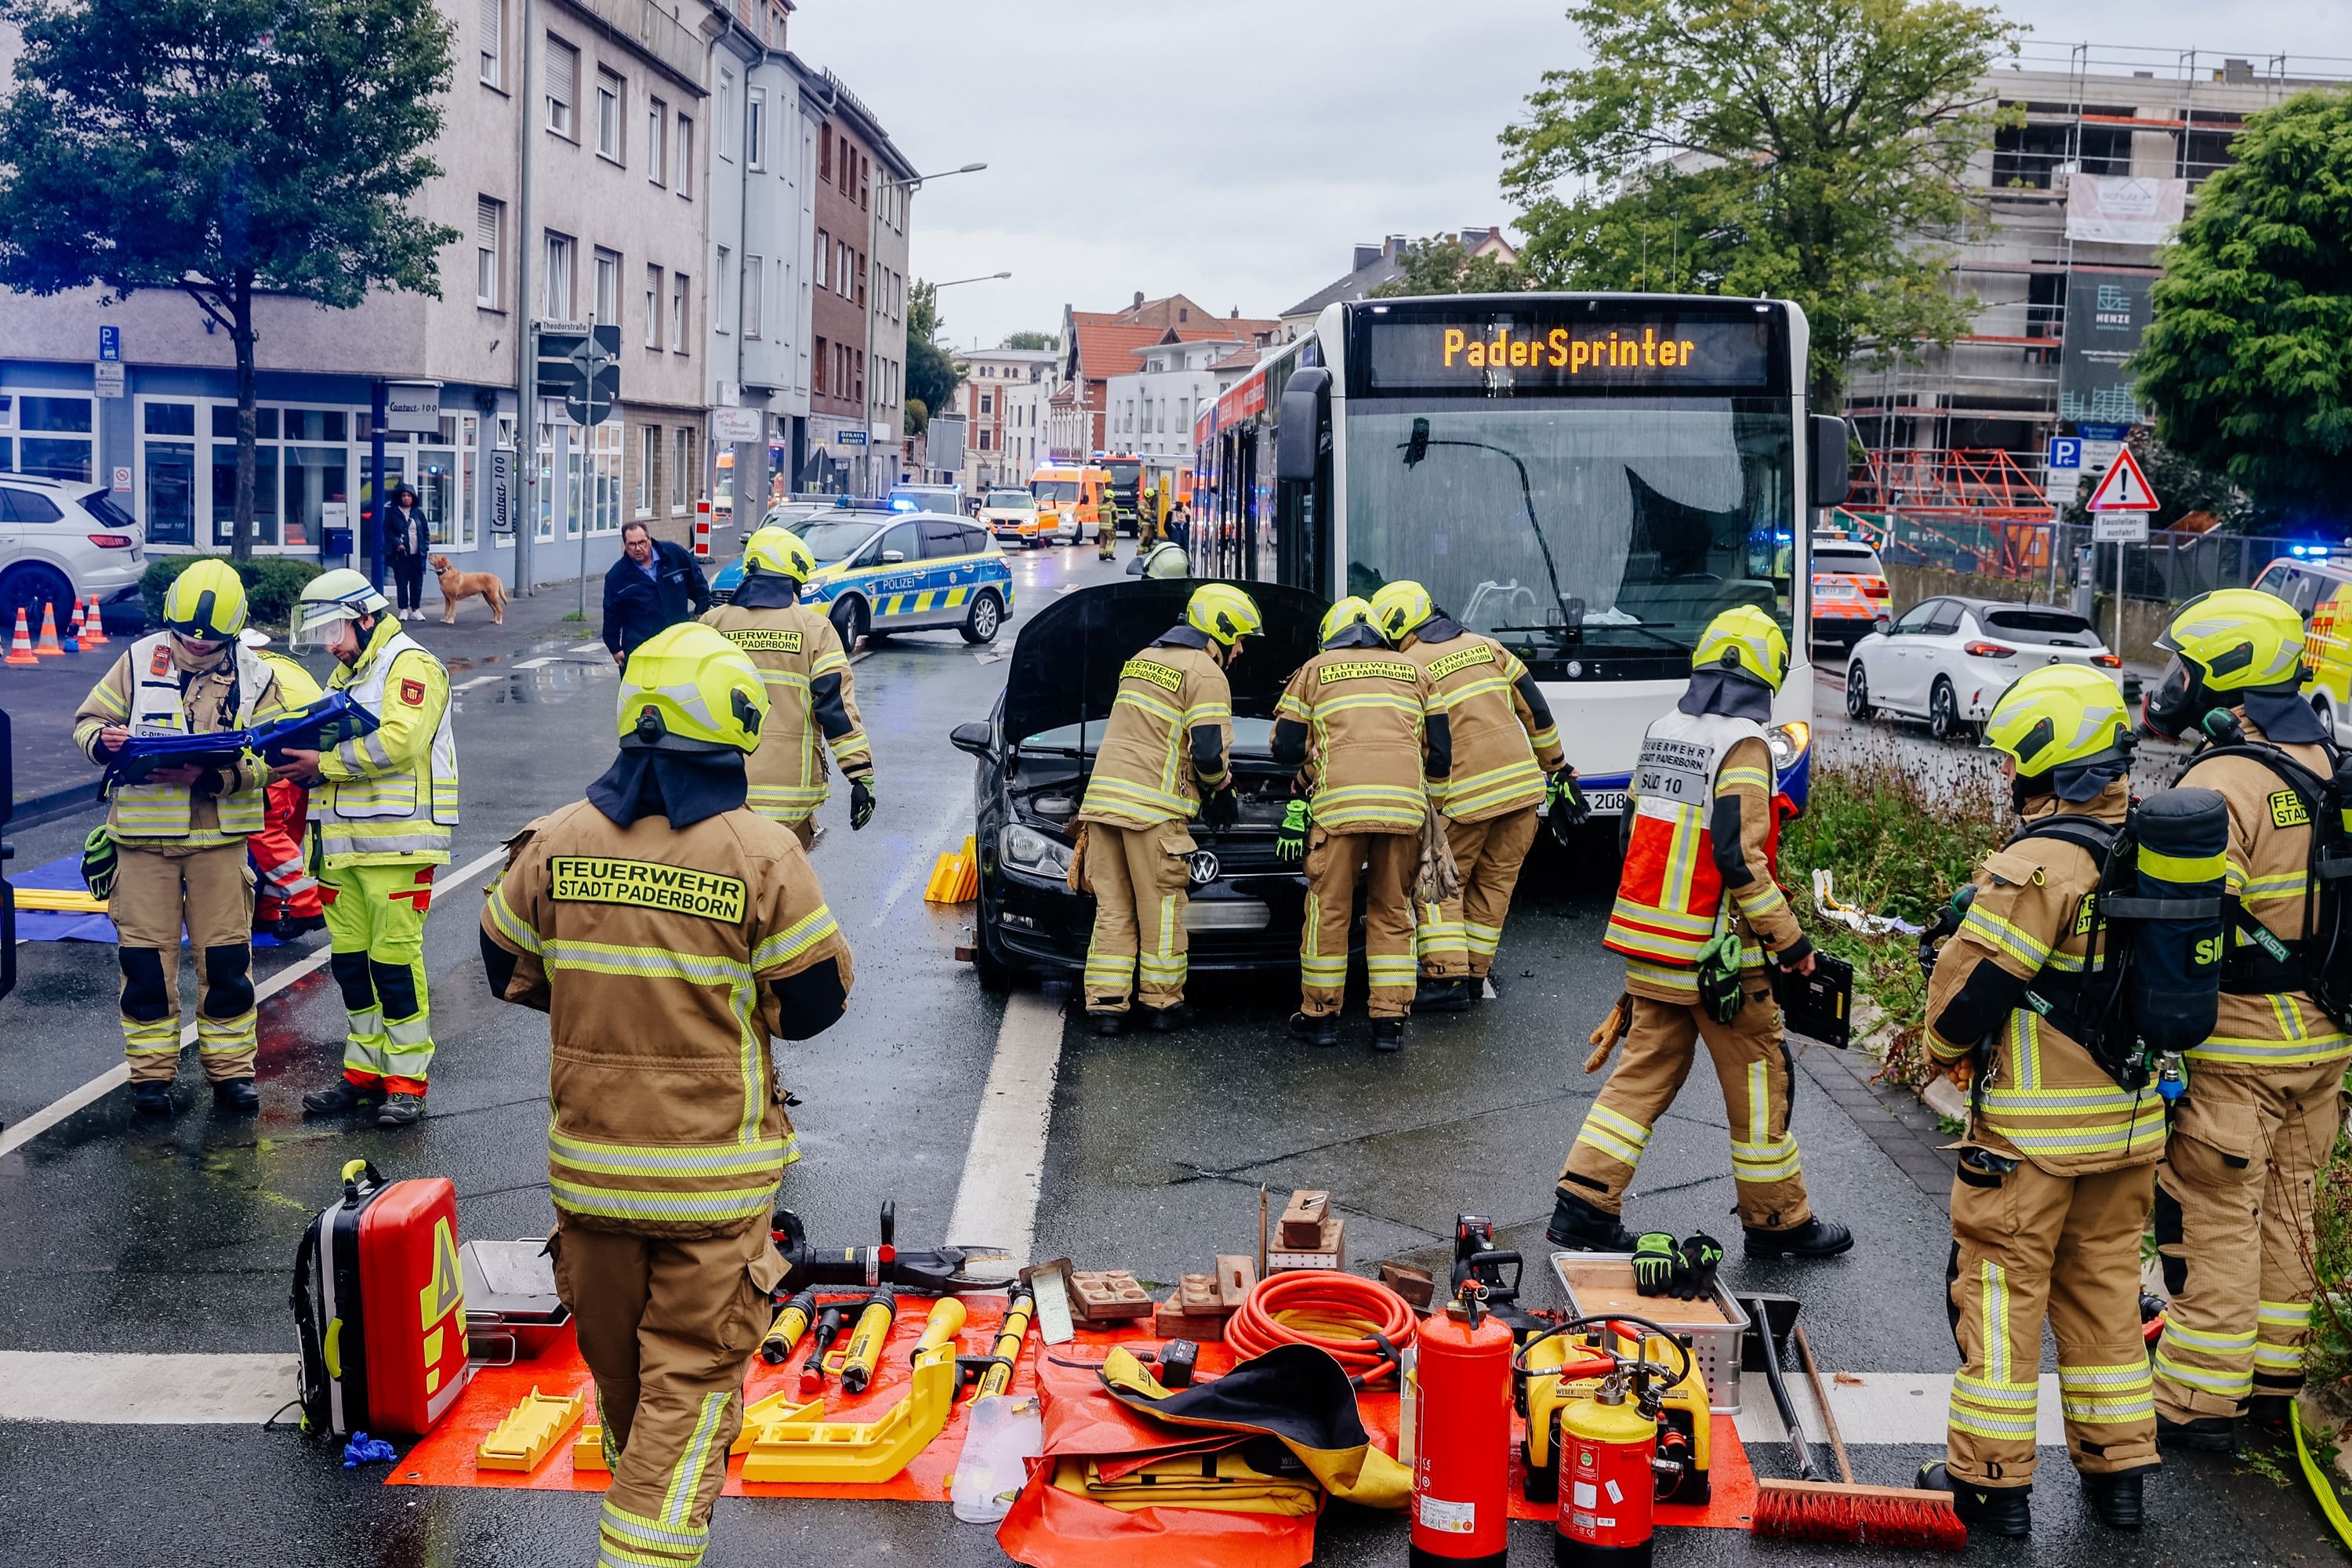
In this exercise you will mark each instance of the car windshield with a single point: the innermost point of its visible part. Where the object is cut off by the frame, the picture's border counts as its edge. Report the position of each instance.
(1253, 737)
(1579, 530)
(1055, 489)
(831, 541)
(1016, 501)
(1845, 558)
(2056, 628)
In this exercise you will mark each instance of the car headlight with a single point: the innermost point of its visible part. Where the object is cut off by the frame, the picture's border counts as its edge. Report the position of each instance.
(1024, 849)
(1787, 743)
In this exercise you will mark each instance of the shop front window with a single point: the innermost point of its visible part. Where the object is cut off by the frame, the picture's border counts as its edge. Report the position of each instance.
(546, 521)
(315, 477)
(168, 471)
(53, 437)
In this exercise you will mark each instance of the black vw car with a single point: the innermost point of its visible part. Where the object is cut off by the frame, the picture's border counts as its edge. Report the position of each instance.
(1037, 751)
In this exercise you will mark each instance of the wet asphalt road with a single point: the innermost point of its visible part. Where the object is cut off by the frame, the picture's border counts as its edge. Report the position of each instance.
(125, 1239)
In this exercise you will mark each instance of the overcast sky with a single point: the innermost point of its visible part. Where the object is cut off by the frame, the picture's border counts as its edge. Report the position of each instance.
(1236, 149)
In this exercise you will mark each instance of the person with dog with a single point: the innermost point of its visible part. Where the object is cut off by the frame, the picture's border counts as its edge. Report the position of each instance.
(654, 586)
(407, 539)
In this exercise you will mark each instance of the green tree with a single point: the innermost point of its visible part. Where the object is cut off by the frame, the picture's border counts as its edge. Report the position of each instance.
(2245, 361)
(919, 416)
(1808, 150)
(1441, 264)
(932, 374)
(225, 148)
(1031, 341)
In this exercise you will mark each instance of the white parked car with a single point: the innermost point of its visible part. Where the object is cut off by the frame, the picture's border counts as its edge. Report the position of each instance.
(1947, 660)
(60, 542)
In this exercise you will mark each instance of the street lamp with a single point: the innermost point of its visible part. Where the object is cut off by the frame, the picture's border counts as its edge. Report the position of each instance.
(873, 220)
(983, 278)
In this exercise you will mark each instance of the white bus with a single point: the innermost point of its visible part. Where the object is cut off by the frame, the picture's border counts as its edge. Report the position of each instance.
(1588, 477)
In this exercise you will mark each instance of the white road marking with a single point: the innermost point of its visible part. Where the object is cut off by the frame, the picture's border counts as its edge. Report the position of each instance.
(917, 864)
(996, 1201)
(115, 1077)
(144, 1390)
(592, 646)
(531, 663)
(477, 680)
(1883, 1407)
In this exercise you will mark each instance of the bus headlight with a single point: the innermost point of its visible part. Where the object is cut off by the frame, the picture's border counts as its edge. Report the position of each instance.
(1787, 743)
(1029, 851)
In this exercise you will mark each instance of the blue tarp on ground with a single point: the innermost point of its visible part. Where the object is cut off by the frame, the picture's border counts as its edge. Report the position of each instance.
(64, 875)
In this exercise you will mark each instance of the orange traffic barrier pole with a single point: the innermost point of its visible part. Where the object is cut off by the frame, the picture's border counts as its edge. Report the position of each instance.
(20, 646)
(48, 648)
(94, 625)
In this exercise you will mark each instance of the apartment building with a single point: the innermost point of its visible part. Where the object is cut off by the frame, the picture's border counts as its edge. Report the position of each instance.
(1099, 345)
(858, 324)
(1006, 397)
(1150, 410)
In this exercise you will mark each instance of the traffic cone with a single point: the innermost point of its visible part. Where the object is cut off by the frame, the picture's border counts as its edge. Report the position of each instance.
(76, 632)
(94, 625)
(47, 647)
(20, 646)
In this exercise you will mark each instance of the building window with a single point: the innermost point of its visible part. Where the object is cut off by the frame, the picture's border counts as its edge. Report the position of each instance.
(653, 307)
(817, 371)
(720, 314)
(656, 122)
(494, 33)
(824, 152)
(557, 301)
(681, 465)
(858, 394)
(562, 85)
(725, 134)
(755, 127)
(608, 116)
(861, 282)
(648, 450)
(845, 262)
(983, 440)
(608, 289)
(987, 403)
(678, 288)
(598, 452)
(755, 286)
(823, 255)
(864, 182)
(685, 184)
(489, 217)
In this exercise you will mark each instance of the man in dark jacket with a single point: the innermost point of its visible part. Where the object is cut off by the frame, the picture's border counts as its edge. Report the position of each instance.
(654, 585)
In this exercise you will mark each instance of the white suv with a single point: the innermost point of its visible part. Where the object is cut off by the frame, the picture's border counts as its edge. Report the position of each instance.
(60, 542)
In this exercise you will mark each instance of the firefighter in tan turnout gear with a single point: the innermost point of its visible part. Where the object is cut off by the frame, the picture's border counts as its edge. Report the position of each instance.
(1357, 721)
(812, 695)
(2053, 1181)
(2234, 1196)
(1166, 749)
(178, 837)
(1698, 899)
(1506, 755)
(670, 931)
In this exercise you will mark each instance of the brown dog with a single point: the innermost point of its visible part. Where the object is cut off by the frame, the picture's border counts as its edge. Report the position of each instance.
(458, 585)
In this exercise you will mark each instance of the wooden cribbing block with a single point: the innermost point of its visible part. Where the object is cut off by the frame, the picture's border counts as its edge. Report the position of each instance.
(1109, 1295)
(1235, 1276)
(1301, 1226)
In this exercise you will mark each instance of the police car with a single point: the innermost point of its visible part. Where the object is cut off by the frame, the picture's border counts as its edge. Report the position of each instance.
(884, 572)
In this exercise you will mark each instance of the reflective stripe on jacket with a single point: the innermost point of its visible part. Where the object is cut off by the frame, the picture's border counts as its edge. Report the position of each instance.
(1146, 771)
(1503, 744)
(1365, 710)
(795, 649)
(654, 950)
(391, 795)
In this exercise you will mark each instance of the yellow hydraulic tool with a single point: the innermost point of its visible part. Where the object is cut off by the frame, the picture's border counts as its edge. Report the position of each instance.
(864, 1348)
(800, 1449)
(1564, 1368)
(1005, 1354)
(792, 1321)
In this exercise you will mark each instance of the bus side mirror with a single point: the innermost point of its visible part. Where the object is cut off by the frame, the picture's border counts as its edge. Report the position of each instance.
(1829, 457)
(1298, 441)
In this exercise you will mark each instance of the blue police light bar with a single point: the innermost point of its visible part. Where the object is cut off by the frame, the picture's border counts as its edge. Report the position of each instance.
(902, 504)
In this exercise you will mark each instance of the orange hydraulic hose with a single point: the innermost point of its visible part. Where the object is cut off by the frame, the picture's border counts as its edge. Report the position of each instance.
(1330, 1311)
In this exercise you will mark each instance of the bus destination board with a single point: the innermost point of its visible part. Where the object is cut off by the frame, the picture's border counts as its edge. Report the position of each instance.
(1494, 352)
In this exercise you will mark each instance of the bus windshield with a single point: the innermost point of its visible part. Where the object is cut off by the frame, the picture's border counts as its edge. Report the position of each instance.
(1601, 534)
(1055, 489)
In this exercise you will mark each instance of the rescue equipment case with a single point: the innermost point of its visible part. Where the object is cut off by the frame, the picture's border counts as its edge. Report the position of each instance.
(1818, 1005)
(512, 1311)
(379, 1303)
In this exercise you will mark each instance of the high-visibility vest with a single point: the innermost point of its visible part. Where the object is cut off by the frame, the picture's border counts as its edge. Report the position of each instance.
(159, 707)
(393, 813)
(1671, 891)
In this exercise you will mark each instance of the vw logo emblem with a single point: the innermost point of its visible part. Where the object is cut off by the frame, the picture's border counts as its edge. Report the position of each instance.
(1202, 865)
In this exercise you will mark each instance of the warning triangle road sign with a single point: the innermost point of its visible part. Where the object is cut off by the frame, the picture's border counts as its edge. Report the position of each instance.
(2123, 488)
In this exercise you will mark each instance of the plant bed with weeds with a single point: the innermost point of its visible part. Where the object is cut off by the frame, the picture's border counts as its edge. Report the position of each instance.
(1898, 846)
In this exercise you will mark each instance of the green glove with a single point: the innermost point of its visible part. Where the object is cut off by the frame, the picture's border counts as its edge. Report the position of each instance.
(861, 802)
(1564, 800)
(1701, 1257)
(1290, 839)
(98, 862)
(1655, 1259)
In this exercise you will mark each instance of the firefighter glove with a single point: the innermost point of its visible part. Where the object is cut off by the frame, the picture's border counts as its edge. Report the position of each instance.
(98, 862)
(1655, 1262)
(1222, 808)
(1290, 839)
(861, 802)
(1566, 801)
(1701, 1257)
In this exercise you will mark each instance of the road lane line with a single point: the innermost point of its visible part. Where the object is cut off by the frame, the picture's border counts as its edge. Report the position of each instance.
(115, 1077)
(477, 680)
(996, 1201)
(144, 1390)
(592, 646)
(531, 664)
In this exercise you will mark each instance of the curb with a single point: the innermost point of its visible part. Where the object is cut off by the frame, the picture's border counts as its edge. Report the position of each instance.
(35, 810)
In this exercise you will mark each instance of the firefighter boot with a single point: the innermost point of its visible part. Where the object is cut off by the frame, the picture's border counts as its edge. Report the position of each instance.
(401, 1111)
(152, 1097)
(2119, 1498)
(1388, 1033)
(1168, 1020)
(1323, 1030)
(1108, 1025)
(340, 1096)
(1579, 1227)
(2213, 1434)
(1815, 1239)
(237, 1096)
(1989, 1510)
(2269, 1415)
(1435, 995)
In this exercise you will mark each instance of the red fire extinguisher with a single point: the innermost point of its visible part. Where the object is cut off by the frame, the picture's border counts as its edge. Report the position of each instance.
(1462, 1437)
(1609, 1473)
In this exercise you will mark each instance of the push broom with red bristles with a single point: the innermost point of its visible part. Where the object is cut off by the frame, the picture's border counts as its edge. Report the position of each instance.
(1840, 1513)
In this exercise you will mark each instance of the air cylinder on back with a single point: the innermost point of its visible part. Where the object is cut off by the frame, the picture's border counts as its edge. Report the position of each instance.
(2178, 935)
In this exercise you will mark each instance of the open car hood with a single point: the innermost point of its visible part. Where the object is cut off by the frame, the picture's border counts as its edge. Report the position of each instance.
(1067, 659)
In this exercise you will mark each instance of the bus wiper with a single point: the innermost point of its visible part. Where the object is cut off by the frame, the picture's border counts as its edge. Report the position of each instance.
(1417, 447)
